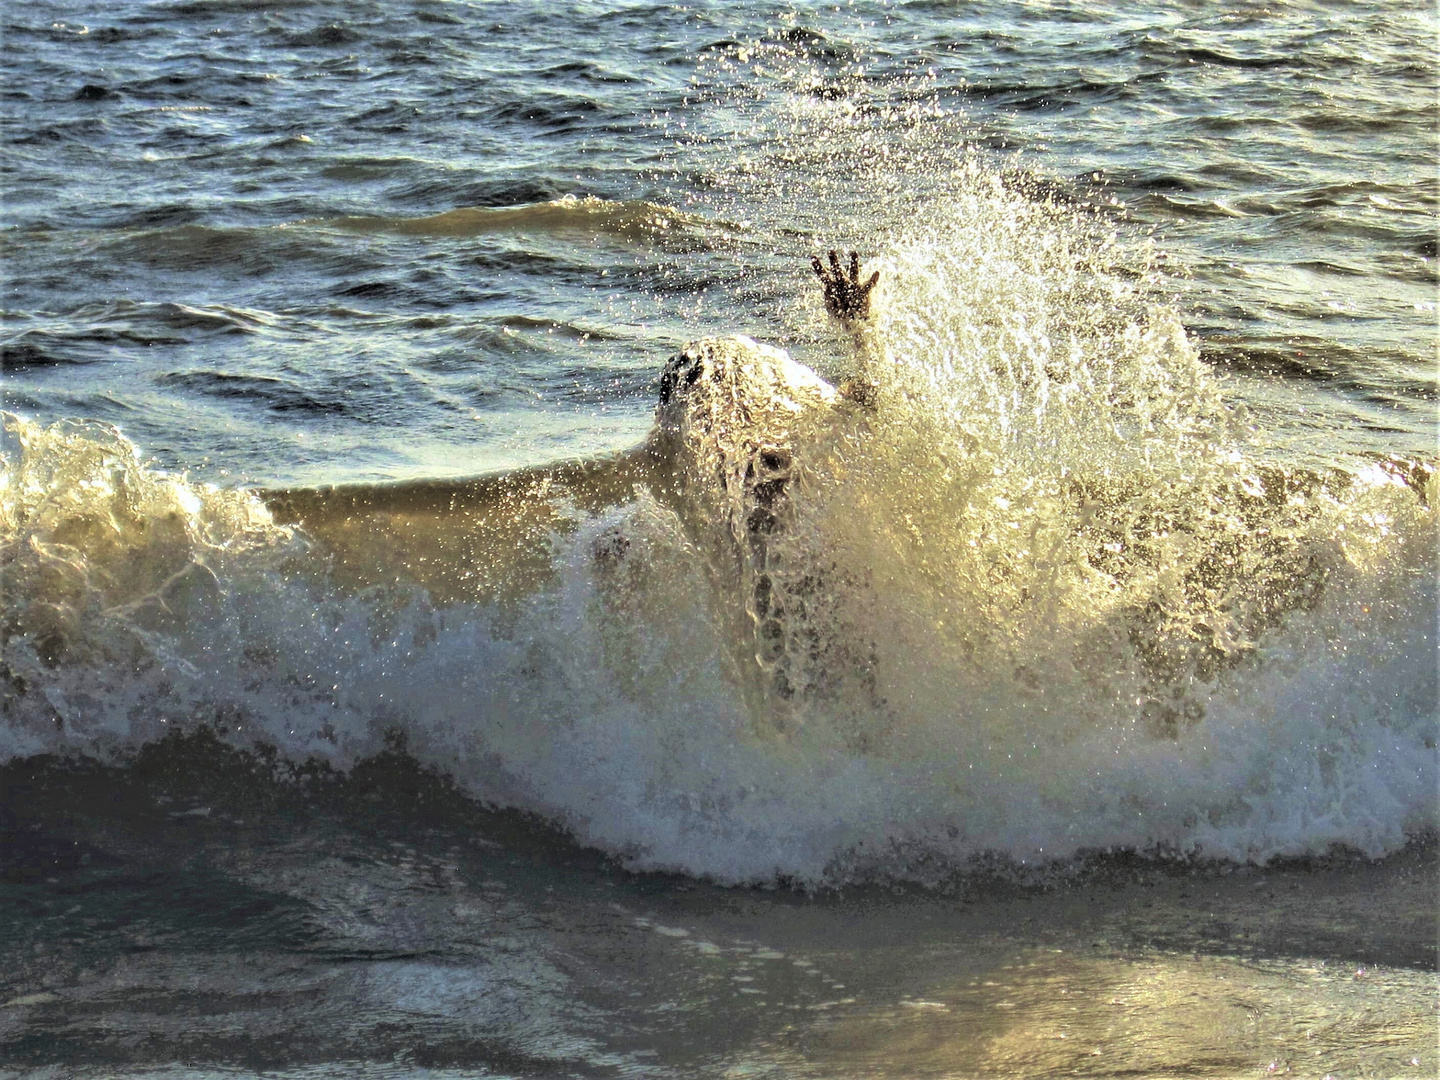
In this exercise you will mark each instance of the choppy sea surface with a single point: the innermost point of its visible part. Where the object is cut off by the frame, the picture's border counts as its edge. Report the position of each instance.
(373, 706)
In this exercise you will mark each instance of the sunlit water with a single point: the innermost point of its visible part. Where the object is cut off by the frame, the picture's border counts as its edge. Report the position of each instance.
(1050, 723)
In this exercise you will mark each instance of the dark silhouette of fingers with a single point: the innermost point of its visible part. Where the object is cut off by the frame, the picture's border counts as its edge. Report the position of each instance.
(855, 267)
(835, 266)
(871, 283)
(818, 265)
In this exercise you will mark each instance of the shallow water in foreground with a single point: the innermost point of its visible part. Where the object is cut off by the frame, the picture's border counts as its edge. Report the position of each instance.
(193, 909)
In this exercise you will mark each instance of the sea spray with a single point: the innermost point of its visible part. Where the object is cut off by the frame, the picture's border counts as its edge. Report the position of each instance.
(138, 603)
(1094, 608)
(1028, 706)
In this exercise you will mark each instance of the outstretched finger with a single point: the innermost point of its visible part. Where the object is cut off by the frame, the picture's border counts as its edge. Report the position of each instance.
(865, 289)
(835, 265)
(855, 266)
(818, 266)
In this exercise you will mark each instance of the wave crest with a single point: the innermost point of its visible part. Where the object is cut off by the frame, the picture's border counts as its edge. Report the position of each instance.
(634, 220)
(1054, 594)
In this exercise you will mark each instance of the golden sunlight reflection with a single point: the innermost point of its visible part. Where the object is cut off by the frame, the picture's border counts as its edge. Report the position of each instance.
(1056, 1013)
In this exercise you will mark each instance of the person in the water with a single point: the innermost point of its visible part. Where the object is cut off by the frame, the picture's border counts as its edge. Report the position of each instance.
(847, 299)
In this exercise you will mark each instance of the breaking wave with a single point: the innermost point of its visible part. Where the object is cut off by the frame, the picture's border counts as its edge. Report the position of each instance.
(1093, 608)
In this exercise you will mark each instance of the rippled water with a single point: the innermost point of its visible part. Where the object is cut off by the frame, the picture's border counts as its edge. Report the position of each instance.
(235, 226)
(1074, 711)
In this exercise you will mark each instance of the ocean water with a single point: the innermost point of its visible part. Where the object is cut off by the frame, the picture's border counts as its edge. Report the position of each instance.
(387, 692)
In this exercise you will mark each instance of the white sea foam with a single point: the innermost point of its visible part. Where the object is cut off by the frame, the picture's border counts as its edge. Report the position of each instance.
(1098, 613)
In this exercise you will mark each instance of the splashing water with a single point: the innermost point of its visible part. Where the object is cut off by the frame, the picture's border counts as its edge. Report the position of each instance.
(1052, 595)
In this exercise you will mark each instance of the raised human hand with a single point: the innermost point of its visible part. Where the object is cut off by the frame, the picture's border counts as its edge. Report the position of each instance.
(846, 297)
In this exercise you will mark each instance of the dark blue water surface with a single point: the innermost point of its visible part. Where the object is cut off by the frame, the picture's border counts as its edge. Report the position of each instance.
(224, 222)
